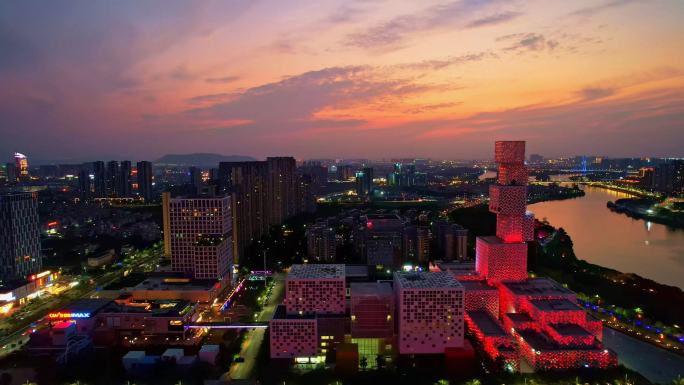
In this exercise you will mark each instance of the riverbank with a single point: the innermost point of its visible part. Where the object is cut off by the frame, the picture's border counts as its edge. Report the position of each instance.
(625, 190)
(629, 298)
(630, 303)
(649, 210)
(553, 192)
(616, 241)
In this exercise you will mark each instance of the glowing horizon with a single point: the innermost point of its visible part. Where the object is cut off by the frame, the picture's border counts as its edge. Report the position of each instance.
(360, 78)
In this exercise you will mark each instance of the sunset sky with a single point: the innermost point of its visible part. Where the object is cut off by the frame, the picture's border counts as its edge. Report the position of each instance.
(357, 78)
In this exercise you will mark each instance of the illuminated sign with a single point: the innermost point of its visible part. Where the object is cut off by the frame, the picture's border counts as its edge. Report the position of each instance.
(65, 315)
(9, 296)
(176, 280)
(45, 273)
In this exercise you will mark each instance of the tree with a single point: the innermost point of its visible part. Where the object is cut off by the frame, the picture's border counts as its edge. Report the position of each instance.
(5, 378)
(380, 361)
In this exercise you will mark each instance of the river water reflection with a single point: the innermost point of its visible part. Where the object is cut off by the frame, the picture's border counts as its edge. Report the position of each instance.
(617, 241)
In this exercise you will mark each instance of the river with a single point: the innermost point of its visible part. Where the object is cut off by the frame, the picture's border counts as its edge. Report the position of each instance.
(657, 365)
(617, 241)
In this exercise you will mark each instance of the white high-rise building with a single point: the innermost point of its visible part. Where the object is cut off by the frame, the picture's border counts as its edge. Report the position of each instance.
(201, 236)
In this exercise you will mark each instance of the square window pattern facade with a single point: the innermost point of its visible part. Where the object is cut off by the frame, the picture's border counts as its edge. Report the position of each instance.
(547, 328)
(315, 289)
(19, 236)
(201, 236)
(430, 312)
(292, 338)
(498, 261)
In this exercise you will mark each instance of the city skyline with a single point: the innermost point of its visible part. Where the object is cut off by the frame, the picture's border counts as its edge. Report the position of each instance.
(437, 80)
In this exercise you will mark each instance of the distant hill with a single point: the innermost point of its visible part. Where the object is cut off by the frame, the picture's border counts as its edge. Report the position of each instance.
(201, 159)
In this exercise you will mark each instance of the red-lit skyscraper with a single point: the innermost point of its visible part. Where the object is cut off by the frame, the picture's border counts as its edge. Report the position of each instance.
(536, 320)
(504, 257)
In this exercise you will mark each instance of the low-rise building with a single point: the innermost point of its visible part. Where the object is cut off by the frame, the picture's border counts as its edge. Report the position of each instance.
(430, 308)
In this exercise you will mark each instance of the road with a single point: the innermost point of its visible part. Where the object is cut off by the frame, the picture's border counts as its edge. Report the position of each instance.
(654, 363)
(255, 337)
(16, 339)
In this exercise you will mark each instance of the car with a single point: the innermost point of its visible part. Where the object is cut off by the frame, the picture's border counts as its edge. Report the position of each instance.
(238, 359)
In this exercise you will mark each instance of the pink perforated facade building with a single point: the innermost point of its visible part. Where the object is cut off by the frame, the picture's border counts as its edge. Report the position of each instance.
(429, 311)
(314, 302)
(315, 289)
(293, 336)
(536, 320)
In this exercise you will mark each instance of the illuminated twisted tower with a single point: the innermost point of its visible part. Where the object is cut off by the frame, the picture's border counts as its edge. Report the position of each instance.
(504, 257)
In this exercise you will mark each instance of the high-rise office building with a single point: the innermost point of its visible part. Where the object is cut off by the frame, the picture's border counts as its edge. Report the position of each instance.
(84, 185)
(166, 219)
(536, 159)
(380, 240)
(248, 183)
(345, 172)
(21, 165)
(678, 176)
(11, 173)
(100, 180)
(282, 197)
(306, 194)
(200, 229)
(124, 187)
(364, 182)
(265, 193)
(318, 173)
(320, 241)
(451, 240)
(112, 177)
(195, 175)
(404, 175)
(19, 236)
(144, 169)
(416, 247)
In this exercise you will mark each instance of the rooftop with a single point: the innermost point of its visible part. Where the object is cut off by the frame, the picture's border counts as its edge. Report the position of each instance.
(539, 341)
(488, 325)
(491, 239)
(161, 308)
(457, 267)
(382, 216)
(371, 289)
(566, 329)
(356, 271)
(317, 271)
(172, 283)
(537, 287)
(519, 318)
(555, 305)
(426, 280)
(281, 313)
(477, 286)
(89, 306)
